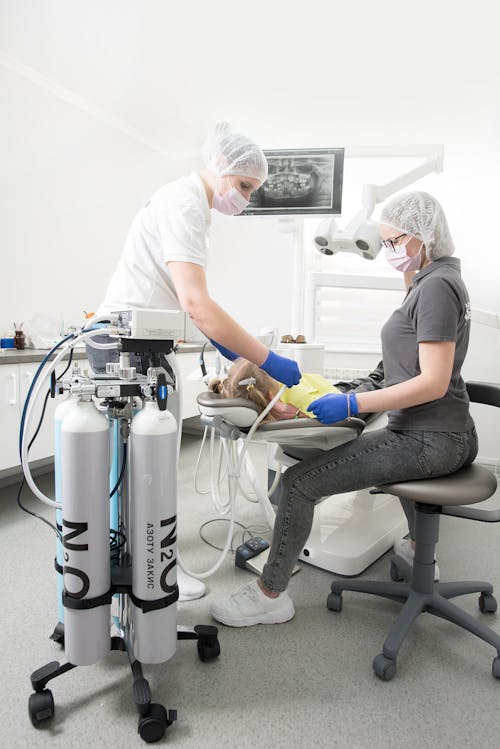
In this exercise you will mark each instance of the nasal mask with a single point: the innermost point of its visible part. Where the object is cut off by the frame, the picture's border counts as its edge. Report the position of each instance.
(399, 260)
(231, 203)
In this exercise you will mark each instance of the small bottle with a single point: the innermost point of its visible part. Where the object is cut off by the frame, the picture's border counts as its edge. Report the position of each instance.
(19, 340)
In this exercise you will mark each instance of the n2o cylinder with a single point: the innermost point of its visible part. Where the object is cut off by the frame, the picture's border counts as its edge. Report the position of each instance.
(153, 525)
(61, 410)
(85, 510)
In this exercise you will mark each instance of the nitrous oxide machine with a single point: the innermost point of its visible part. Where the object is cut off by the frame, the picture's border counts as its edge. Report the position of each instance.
(116, 496)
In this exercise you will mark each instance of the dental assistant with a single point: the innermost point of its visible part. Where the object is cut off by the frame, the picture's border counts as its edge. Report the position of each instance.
(165, 254)
(430, 431)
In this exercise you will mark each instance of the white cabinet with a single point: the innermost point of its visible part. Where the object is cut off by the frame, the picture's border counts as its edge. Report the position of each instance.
(15, 381)
(9, 415)
(191, 379)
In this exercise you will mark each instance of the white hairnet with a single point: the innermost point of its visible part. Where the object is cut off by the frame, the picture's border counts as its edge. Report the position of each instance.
(420, 215)
(226, 152)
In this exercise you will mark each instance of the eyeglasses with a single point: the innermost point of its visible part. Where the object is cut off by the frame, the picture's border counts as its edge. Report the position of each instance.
(391, 244)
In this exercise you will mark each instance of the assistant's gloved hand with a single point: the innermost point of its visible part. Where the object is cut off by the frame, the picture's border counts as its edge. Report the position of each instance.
(282, 369)
(334, 407)
(224, 351)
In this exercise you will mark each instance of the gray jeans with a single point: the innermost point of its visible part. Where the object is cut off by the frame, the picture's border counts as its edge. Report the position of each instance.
(376, 458)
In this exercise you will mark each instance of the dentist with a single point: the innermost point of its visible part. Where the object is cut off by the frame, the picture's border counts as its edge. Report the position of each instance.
(165, 255)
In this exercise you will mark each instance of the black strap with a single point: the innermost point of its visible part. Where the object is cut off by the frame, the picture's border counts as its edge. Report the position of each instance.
(159, 603)
(59, 567)
(70, 602)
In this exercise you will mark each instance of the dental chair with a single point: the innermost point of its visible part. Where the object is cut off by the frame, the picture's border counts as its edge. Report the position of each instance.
(350, 531)
(416, 590)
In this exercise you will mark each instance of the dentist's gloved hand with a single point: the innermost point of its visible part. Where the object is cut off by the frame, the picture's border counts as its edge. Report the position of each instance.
(282, 369)
(334, 407)
(224, 351)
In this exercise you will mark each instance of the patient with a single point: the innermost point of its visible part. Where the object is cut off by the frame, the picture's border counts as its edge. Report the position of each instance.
(261, 389)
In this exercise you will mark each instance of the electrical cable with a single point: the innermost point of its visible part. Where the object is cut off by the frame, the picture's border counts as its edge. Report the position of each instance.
(117, 541)
(251, 530)
(23, 482)
(32, 386)
(120, 477)
(219, 520)
(69, 341)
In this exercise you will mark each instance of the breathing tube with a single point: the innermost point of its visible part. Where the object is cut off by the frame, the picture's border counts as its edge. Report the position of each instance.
(43, 372)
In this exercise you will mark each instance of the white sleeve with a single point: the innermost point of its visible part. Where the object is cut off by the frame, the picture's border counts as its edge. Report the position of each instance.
(182, 233)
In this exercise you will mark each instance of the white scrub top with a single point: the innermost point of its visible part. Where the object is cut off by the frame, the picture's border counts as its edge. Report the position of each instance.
(173, 225)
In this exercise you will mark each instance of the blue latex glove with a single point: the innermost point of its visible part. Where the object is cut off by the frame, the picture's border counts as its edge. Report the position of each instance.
(282, 369)
(224, 351)
(334, 407)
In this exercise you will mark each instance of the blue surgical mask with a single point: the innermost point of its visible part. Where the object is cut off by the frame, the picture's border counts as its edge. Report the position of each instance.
(231, 203)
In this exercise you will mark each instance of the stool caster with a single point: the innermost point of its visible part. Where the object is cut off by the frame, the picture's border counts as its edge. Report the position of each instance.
(487, 603)
(395, 574)
(152, 726)
(384, 667)
(334, 602)
(495, 667)
(208, 648)
(41, 707)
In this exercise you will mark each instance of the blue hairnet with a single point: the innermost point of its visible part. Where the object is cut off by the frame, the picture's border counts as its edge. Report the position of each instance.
(420, 215)
(227, 152)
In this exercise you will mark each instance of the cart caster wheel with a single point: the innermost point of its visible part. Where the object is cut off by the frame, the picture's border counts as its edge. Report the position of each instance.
(495, 667)
(41, 707)
(487, 603)
(207, 651)
(384, 667)
(395, 574)
(152, 726)
(334, 602)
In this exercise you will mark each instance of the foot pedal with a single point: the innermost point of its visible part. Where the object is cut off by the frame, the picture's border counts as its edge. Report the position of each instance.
(250, 549)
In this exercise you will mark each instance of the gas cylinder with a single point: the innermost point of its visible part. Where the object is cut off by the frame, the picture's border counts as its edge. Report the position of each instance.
(85, 459)
(153, 532)
(60, 412)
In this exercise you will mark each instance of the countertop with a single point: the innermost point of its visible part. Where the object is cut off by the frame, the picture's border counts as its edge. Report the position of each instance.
(13, 356)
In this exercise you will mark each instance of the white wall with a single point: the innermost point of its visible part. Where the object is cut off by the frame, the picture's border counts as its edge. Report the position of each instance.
(152, 77)
(69, 187)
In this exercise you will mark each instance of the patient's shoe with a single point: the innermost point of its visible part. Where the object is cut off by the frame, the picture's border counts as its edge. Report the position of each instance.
(249, 605)
(403, 548)
(189, 587)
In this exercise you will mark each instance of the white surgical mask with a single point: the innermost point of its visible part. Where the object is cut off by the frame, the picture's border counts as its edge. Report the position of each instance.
(231, 203)
(399, 260)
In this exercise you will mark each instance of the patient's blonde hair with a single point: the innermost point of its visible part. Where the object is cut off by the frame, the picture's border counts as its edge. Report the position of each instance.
(242, 369)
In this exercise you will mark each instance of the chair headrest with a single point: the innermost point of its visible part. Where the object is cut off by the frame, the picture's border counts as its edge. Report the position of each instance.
(238, 411)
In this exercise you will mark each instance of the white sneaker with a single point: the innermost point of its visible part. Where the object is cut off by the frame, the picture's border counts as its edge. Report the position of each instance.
(248, 605)
(189, 587)
(403, 548)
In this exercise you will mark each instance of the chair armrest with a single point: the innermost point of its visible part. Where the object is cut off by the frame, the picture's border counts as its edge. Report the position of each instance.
(484, 392)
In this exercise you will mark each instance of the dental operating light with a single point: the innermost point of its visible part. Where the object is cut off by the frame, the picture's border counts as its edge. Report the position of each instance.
(361, 235)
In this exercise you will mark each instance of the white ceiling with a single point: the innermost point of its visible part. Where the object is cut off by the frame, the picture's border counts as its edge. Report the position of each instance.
(290, 73)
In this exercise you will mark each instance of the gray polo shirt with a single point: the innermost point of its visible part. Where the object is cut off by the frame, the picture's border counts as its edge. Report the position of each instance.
(436, 308)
